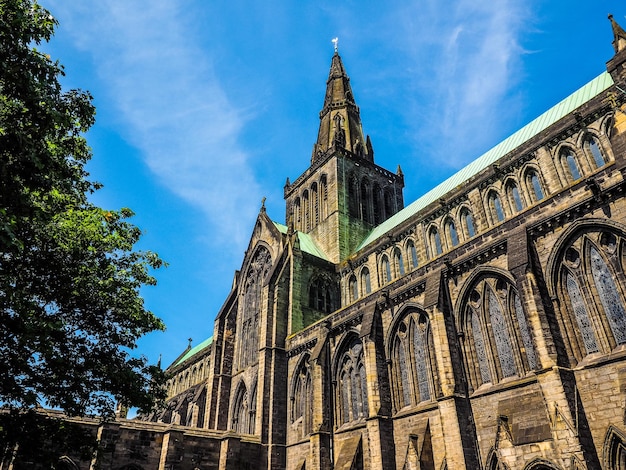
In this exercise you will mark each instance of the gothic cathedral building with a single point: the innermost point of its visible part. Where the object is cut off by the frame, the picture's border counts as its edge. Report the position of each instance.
(482, 326)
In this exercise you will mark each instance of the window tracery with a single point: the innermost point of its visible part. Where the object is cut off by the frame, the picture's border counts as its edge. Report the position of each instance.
(302, 399)
(498, 341)
(322, 295)
(591, 283)
(411, 368)
(243, 420)
(249, 337)
(351, 383)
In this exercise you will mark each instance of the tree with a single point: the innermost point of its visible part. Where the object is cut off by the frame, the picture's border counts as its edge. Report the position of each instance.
(70, 309)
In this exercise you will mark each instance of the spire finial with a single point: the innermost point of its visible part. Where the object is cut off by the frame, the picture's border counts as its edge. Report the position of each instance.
(190, 340)
(619, 35)
(335, 42)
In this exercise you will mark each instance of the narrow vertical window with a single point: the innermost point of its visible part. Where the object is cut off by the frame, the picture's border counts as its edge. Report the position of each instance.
(536, 185)
(365, 198)
(479, 347)
(609, 296)
(469, 223)
(454, 236)
(354, 289)
(594, 148)
(572, 166)
(515, 197)
(501, 336)
(435, 241)
(386, 270)
(399, 262)
(525, 333)
(366, 283)
(420, 348)
(496, 207)
(413, 255)
(580, 313)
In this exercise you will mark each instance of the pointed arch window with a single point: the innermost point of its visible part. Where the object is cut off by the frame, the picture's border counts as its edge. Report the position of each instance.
(386, 270)
(324, 197)
(351, 386)
(322, 295)
(591, 282)
(435, 242)
(592, 146)
(495, 207)
(302, 399)
(366, 282)
(534, 185)
(515, 198)
(399, 262)
(378, 203)
(353, 288)
(412, 254)
(243, 415)
(413, 377)
(571, 164)
(315, 206)
(498, 341)
(353, 197)
(365, 201)
(248, 342)
(467, 220)
(306, 209)
(452, 233)
(389, 206)
(297, 215)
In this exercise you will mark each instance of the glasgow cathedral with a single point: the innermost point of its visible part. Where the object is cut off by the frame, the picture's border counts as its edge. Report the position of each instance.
(481, 326)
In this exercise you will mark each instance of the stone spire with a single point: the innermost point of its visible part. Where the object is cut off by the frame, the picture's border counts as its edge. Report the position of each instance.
(619, 36)
(340, 121)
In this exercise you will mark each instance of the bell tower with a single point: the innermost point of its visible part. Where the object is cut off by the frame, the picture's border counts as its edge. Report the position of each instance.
(343, 194)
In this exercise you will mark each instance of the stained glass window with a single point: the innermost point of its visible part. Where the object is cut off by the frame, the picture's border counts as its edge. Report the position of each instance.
(479, 347)
(420, 347)
(525, 333)
(501, 336)
(609, 296)
(580, 313)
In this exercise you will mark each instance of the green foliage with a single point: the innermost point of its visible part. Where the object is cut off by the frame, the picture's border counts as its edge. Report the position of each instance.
(70, 309)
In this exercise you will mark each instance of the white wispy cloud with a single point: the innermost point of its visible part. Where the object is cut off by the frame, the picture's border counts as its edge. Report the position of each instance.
(171, 104)
(466, 60)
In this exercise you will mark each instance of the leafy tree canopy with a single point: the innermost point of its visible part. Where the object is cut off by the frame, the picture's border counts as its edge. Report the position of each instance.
(70, 309)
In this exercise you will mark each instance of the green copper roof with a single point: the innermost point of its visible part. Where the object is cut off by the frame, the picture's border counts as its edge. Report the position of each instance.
(569, 104)
(306, 242)
(195, 350)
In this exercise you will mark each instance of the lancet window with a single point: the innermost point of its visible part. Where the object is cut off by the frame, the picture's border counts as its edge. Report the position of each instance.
(411, 364)
(467, 221)
(515, 198)
(452, 233)
(412, 254)
(497, 338)
(398, 262)
(570, 163)
(251, 307)
(385, 270)
(366, 282)
(534, 185)
(351, 383)
(244, 411)
(495, 207)
(593, 148)
(435, 242)
(322, 295)
(302, 399)
(353, 288)
(591, 283)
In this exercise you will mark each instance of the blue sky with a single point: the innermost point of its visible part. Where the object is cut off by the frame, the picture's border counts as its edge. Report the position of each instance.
(204, 108)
